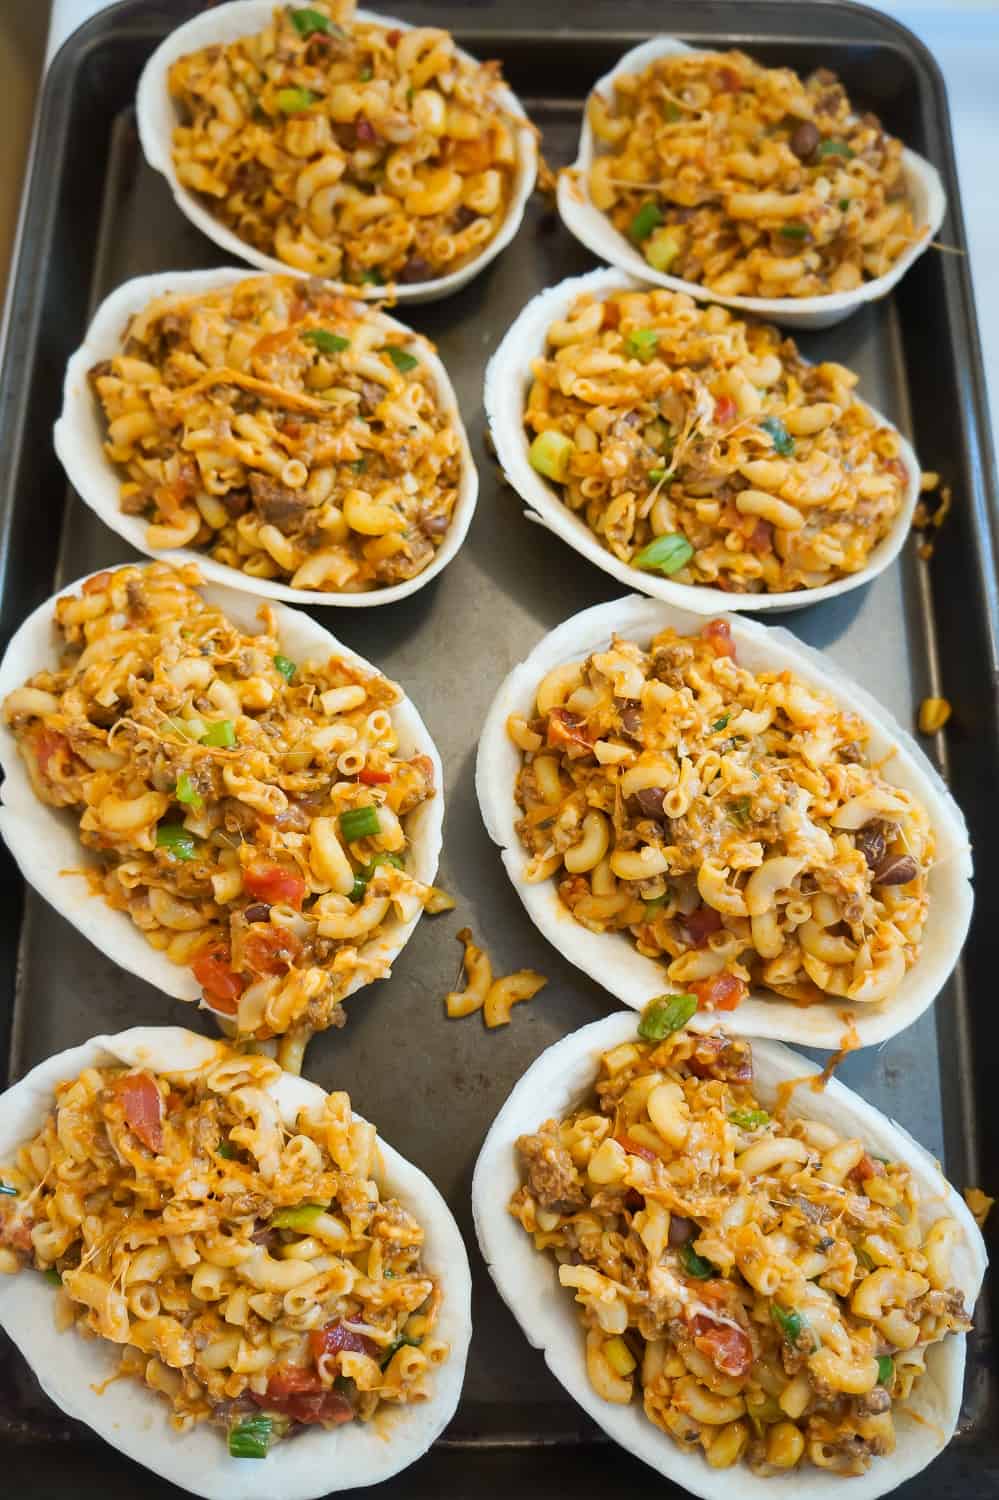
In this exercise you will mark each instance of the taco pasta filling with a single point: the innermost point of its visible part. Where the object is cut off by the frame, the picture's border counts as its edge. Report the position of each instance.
(767, 1288)
(251, 1273)
(730, 821)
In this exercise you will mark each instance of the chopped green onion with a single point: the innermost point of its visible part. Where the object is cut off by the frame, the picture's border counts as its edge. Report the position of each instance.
(844, 204)
(189, 729)
(367, 871)
(659, 475)
(227, 1151)
(221, 734)
(721, 723)
(402, 360)
(359, 890)
(52, 1275)
(360, 823)
(7, 1191)
(665, 554)
(790, 1323)
(653, 908)
(294, 101)
(793, 231)
(694, 1264)
(286, 667)
(359, 465)
(835, 148)
(251, 1438)
(393, 1349)
(782, 440)
(366, 75)
(372, 278)
(389, 1274)
(739, 809)
(886, 1369)
(308, 21)
(186, 792)
(662, 250)
(647, 218)
(671, 112)
(302, 1217)
(550, 454)
(642, 343)
(324, 341)
(176, 840)
(662, 1017)
(749, 1119)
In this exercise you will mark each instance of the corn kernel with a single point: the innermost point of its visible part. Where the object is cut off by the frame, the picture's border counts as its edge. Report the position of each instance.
(933, 715)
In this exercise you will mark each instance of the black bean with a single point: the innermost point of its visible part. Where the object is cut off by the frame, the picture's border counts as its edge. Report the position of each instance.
(258, 912)
(897, 869)
(804, 140)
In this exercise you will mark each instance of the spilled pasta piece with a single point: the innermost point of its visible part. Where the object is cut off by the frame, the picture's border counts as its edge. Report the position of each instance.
(494, 997)
(248, 812)
(287, 1293)
(747, 179)
(357, 152)
(730, 821)
(287, 432)
(761, 1283)
(703, 448)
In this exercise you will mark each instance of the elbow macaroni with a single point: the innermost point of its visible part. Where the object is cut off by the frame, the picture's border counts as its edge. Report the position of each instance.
(742, 835)
(764, 1311)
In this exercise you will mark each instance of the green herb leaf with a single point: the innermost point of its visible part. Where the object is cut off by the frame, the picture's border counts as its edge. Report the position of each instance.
(641, 344)
(294, 101)
(886, 1369)
(790, 1323)
(52, 1275)
(186, 792)
(721, 723)
(662, 1017)
(694, 1264)
(658, 476)
(402, 1343)
(251, 1438)
(286, 667)
(301, 1217)
(665, 554)
(6, 1191)
(738, 810)
(372, 278)
(647, 218)
(324, 341)
(360, 823)
(793, 231)
(844, 204)
(782, 440)
(403, 361)
(176, 840)
(835, 148)
(653, 908)
(221, 734)
(749, 1119)
(307, 22)
(227, 1151)
(359, 890)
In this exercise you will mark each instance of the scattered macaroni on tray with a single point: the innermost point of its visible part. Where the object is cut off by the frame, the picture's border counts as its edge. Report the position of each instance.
(702, 448)
(747, 179)
(248, 812)
(252, 1276)
(765, 1285)
(354, 151)
(730, 821)
(288, 432)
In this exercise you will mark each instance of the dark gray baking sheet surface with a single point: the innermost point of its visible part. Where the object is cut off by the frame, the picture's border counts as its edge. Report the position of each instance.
(97, 215)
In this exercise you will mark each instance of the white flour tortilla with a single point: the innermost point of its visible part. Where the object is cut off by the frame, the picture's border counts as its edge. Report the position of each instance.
(45, 840)
(137, 1420)
(563, 1077)
(508, 379)
(597, 233)
(611, 958)
(156, 117)
(80, 433)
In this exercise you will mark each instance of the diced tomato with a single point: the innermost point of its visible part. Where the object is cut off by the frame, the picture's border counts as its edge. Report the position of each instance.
(275, 885)
(728, 1349)
(635, 1148)
(371, 777)
(221, 986)
(393, 37)
(720, 992)
(730, 80)
(761, 539)
(270, 950)
(296, 1392)
(335, 1338)
(725, 410)
(98, 583)
(701, 923)
(721, 1057)
(867, 1168)
(566, 731)
(612, 315)
(292, 1380)
(48, 744)
(143, 1106)
(718, 634)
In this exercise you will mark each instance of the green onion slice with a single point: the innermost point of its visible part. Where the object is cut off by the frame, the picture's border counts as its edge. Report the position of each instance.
(294, 101)
(793, 231)
(749, 1119)
(227, 1151)
(360, 823)
(550, 454)
(835, 148)
(52, 1275)
(721, 723)
(665, 554)
(393, 1349)
(662, 1017)
(221, 734)
(251, 1438)
(694, 1264)
(285, 666)
(189, 729)
(302, 1217)
(176, 840)
(647, 218)
(789, 1322)
(186, 792)
(886, 1369)
(642, 343)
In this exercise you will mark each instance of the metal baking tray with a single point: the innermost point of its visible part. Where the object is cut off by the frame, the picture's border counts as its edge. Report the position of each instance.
(96, 215)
